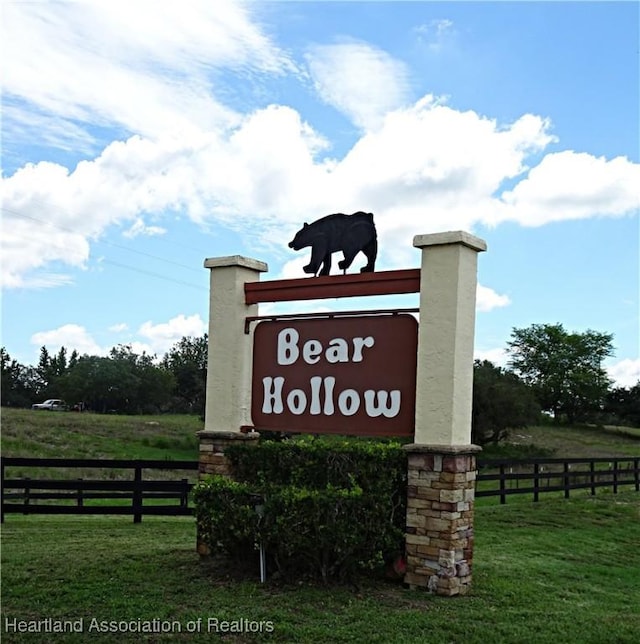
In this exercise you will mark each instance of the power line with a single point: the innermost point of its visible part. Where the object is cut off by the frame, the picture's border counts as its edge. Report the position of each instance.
(118, 264)
(99, 241)
(152, 274)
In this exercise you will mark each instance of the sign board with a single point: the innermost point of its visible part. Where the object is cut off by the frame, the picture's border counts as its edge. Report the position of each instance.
(342, 375)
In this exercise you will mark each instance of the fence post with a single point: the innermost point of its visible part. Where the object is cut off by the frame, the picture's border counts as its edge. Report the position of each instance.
(536, 477)
(592, 478)
(565, 479)
(636, 473)
(137, 495)
(2, 490)
(27, 493)
(184, 496)
(615, 477)
(79, 496)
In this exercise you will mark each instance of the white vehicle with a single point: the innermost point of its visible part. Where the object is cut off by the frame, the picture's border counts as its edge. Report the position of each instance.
(53, 404)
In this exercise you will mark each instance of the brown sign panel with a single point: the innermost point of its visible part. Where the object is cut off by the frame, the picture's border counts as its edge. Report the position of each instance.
(349, 375)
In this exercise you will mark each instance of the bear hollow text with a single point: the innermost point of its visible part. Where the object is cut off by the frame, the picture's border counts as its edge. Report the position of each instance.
(342, 375)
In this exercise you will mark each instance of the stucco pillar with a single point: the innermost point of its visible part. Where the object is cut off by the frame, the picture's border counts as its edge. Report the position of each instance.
(444, 379)
(442, 462)
(228, 400)
(229, 363)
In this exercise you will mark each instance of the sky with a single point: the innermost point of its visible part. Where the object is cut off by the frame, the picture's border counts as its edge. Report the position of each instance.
(140, 138)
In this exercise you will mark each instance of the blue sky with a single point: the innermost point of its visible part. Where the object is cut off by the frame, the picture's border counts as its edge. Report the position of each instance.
(140, 138)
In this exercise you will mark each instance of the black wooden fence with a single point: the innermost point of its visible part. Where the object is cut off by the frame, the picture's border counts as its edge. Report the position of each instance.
(69, 495)
(501, 478)
(540, 475)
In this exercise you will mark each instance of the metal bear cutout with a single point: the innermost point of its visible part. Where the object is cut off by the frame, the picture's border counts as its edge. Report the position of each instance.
(347, 233)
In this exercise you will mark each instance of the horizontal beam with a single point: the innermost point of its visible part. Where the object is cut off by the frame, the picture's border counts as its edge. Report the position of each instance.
(330, 286)
(22, 461)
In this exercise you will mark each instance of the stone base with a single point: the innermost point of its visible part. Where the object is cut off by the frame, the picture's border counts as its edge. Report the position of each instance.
(212, 447)
(212, 460)
(439, 533)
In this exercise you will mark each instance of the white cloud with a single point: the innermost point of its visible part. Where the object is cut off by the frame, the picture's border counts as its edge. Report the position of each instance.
(499, 357)
(361, 81)
(140, 228)
(150, 338)
(487, 299)
(421, 168)
(161, 337)
(436, 34)
(139, 65)
(572, 185)
(430, 168)
(70, 336)
(293, 268)
(625, 373)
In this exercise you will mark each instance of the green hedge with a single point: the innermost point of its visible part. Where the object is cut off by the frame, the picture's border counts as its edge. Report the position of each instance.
(330, 508)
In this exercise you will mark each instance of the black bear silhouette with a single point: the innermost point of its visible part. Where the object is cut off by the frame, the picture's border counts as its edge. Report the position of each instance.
(338, 232)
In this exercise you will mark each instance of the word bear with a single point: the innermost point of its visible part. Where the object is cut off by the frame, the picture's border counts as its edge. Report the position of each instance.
(337, 351)
(347, 233)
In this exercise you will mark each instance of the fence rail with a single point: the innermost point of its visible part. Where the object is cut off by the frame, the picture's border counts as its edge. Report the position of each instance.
(539, 475)
(20, 495)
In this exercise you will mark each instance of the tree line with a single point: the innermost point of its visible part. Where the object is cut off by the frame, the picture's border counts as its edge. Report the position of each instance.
(550, 370)
(123, 381)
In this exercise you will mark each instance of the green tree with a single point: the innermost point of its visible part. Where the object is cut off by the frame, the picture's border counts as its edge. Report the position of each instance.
(564, 369)
(19, 385)
(93, 380)
(58, 364)
(51, 369)
(43, 371)
(144, 387)
(124, 382)
(73, 359)
(623, 404)
(501, 401)
(187, 361)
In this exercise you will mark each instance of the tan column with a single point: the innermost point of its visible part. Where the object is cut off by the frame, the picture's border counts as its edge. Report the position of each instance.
(441, 462)
(445, 339)
(229, 364)
(228, 403)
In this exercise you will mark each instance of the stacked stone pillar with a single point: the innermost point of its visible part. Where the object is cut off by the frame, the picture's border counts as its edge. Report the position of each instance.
(442, 462)
(439, 533)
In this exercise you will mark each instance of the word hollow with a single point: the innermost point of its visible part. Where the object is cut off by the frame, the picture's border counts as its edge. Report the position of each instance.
(322, 398)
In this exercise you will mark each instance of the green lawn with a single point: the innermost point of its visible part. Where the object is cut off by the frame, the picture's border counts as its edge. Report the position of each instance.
(556, 571)
(86, 435)
(67, 434)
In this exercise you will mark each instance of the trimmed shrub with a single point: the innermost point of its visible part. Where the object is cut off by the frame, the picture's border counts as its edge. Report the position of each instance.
(226, 516)
(330, 508)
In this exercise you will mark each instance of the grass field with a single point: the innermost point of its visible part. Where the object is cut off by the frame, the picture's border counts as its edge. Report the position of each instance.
(72, 435)
(585, 441)
(67, 434)
(556, 571)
